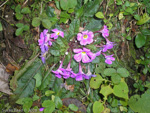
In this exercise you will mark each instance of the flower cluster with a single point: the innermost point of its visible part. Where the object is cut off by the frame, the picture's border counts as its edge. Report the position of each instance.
(83, 55)
(46, 40)
(68, 73)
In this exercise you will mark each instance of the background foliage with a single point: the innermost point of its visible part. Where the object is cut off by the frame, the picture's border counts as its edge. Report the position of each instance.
(120, 87)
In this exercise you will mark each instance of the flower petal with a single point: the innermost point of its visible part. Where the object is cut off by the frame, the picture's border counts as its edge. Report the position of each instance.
(58, 75)
(61, 34)
(55, 30)
(91, 55)
(43, 59)
(78, 57)
(79, 36)
(79, 77)
(77, 50)
(54, 35)
(108, 61)
(85, 59)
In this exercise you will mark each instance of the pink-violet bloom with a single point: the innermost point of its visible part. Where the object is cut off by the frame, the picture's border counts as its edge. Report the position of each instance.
(58, 72)
(109, 45)
(85, 55)
(98, 53)
(43, 55)
(86, 37)
(66, 73)
(89, 74)
(44, 40)
(80, 75)
(109, 59)
(41, 109)
(57, 33)
(105, 32)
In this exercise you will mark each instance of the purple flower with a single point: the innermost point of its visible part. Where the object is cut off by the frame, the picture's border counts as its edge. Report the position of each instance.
(58, 72)
(41, 109)
(80, 75)
(105, 32)
(109, 59)
(44, 40)
(109, 45)
(86, 37)
(43, 55)
(57, 33)
(98, 53)
(66, 73)
(89, 74)
(85, 55)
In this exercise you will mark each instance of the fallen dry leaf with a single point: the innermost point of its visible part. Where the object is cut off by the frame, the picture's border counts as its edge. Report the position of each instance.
(10, 68)
(68, 87)
(4, 83)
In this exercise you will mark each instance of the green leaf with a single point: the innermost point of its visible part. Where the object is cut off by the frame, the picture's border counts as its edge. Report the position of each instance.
(85, 1)
(50, 11)
(140, 40)
(114, 102)
(58, 102)
(106, 90)
(124, 102)
(95, 82)
(70, 10)
(119, 2)
(89, 108)
(46, 23)
(143, 19)
(49, 92)
(91, 8)
(55, 52)
(137, 17)
(129, 10)
(123, 72)
(94, 25)
(19, 16)
(27, 103)
(19, 31)
(79, 12)
(140, 104)
(36, 21)
(64, 14)
(26, 28)
(115, 78)
(38, 79)
(35, 97)
(26, 10)
(73, 107)
(109, 71)
(145, 31)
(66, 4)
(19, 24)
(25, 80)
(73, 29)
(1, 27)
(128, 38)
(60, 42)
(99, 15)
(49, 106)
(121, 90)
(18, 9)
(121, 15)
(98, 107)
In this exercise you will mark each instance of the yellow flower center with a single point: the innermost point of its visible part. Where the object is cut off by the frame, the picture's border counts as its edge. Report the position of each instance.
(58, 33)
(85, 36)
(83, 53)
